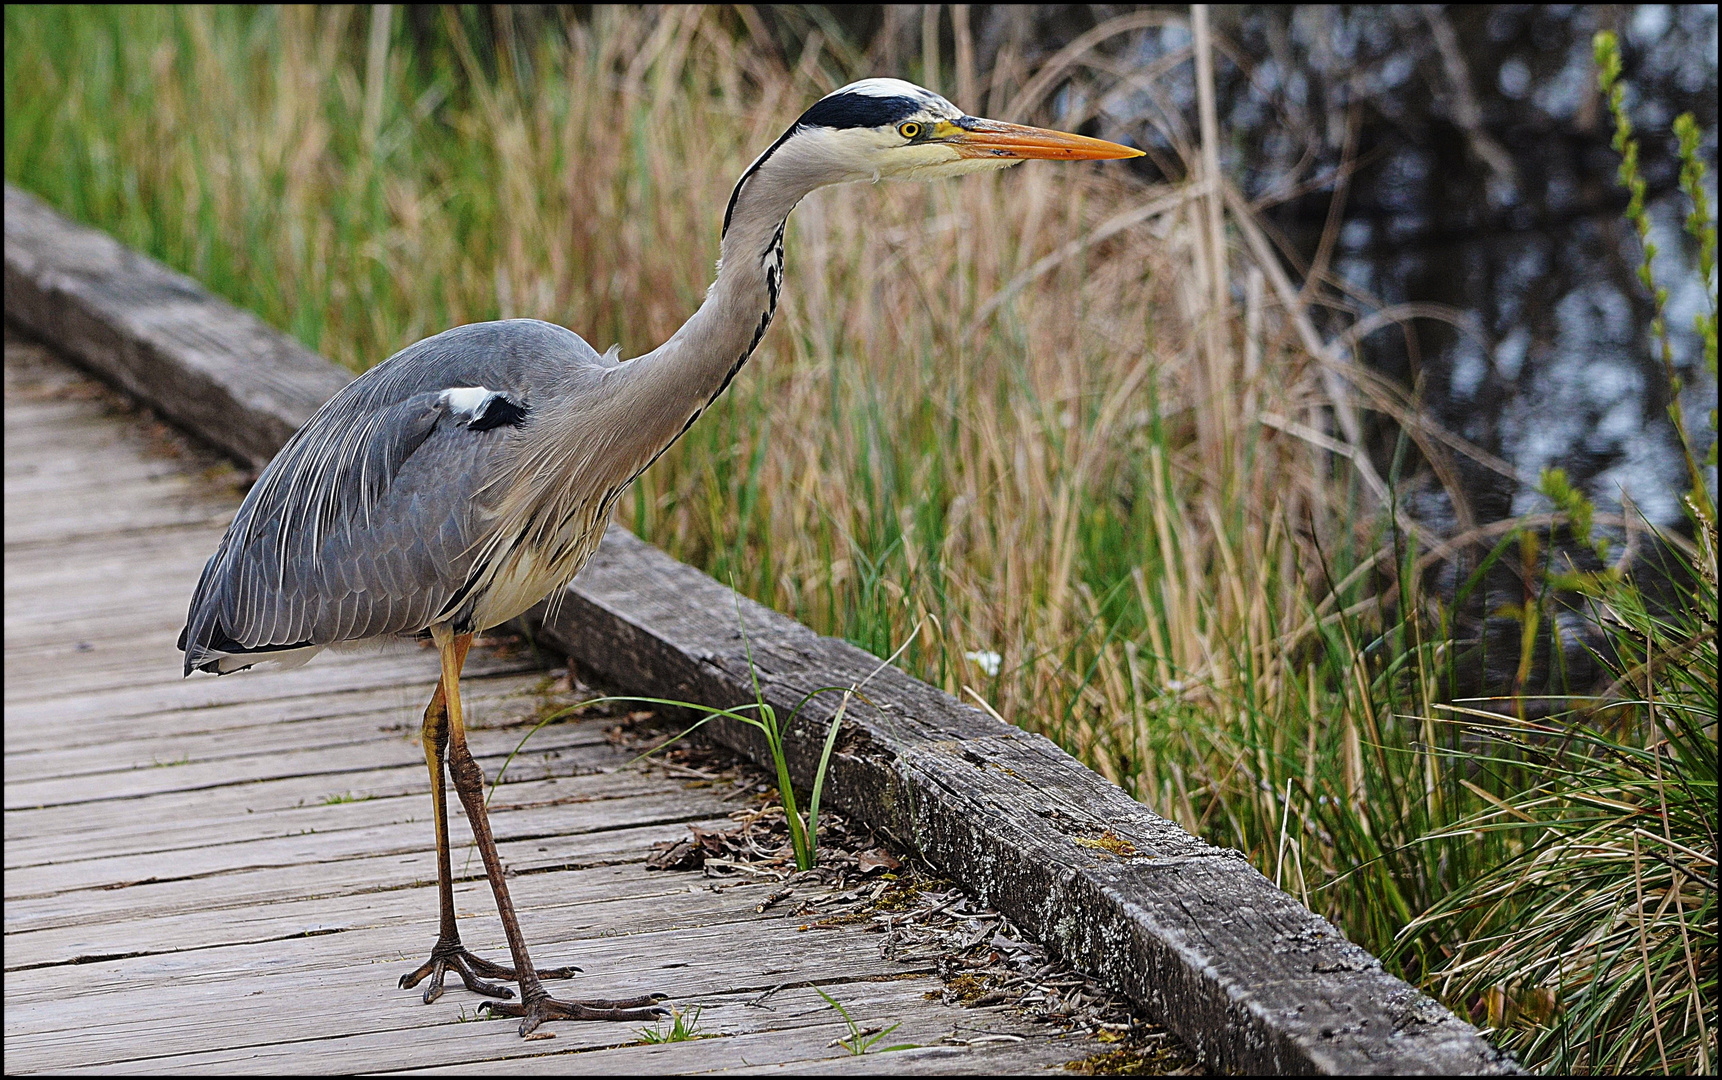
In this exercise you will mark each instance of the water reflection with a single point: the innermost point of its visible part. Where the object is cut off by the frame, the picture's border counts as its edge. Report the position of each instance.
(1492, 190)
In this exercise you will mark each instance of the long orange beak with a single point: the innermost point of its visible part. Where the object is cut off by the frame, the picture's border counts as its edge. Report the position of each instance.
(994, 138)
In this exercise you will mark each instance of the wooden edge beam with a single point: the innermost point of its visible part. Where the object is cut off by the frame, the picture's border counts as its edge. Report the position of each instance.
(1250, 978)
(223, 374)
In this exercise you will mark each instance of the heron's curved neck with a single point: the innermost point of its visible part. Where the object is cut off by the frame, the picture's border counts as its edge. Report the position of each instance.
(686, 373)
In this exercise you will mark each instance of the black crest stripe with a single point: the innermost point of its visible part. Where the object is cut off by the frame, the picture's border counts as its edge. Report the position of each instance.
(859, 110)
(837, 111)
(729, 210)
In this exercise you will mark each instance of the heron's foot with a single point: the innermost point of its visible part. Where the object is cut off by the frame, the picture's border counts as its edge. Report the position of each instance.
(474, 971)
(538, 1009)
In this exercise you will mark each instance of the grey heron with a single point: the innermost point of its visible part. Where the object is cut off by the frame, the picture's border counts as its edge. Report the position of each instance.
(463, 479)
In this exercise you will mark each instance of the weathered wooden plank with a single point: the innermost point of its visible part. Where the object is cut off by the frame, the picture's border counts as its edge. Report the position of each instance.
(142, 670)
(98, 836)
(799, 1028)
(393, 931)
(78, 820)
(93, 922)
(47, 736)
(550, 798)
(38, 579)
(25, 476)
(371, 759)
(139, 481)
(409, 866)
(125, 936)
(595, 934)
(104, 591)
(1245, 974)
(39, 434)
(1014, 1049)
(359, 671)
(384, 719)
(79, 520)
(178, 545)
(219, 371)
(571, 793)
(46, 593)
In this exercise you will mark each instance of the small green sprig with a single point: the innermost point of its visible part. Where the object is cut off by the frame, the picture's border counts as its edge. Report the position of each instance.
(1580, 512)
(862, 1040)
(1702, 225)
(803, 831)
(1699, 223)
(683, 1028)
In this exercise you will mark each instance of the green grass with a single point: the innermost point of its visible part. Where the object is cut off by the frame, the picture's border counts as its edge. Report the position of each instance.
(683, 1028)
(1587, 937)
(863, 1040)
(1203, 605)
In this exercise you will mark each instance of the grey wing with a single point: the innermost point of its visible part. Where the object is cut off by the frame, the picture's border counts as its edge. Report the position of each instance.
(368, 520)
(358, 529)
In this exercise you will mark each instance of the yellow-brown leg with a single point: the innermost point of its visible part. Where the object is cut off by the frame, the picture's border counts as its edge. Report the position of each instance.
(448, 952)
(535, 1005)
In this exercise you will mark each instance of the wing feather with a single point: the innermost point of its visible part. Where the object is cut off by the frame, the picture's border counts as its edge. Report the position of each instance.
(369, 519)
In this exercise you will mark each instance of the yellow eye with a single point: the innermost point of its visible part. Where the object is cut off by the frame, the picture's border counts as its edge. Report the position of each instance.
(909, 130)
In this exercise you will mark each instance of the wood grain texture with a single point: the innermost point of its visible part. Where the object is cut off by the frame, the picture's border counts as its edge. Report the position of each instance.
(1243, 972)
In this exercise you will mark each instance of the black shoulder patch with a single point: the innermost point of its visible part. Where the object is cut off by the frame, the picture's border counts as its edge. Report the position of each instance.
(500, 412)
(858, 110)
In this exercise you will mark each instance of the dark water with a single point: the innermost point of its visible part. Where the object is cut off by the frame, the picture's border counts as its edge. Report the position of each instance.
(1516, 222)
(1486, 182)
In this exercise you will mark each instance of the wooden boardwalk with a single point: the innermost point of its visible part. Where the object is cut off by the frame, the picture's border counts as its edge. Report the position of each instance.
(225, 875)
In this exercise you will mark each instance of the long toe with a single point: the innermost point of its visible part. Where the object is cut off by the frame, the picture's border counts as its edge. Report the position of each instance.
(491, 970)
(644, 1008)
(643, 1001)
(469, 975)
(475, 972)
(417, 975)
(560, 972)
(433, 989)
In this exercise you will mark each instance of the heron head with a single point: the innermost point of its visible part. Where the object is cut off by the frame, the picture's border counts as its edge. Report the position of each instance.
(894, 130)
(891, 129)
(886, 129)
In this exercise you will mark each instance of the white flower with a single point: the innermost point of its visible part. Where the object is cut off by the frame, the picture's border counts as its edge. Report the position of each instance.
(986, 660)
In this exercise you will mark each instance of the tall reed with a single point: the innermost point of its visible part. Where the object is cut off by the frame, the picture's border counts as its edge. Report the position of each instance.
(1590, 940)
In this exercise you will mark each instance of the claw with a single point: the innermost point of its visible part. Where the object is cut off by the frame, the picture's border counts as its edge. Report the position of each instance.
(474, 971)
(413, 978)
